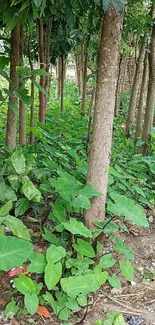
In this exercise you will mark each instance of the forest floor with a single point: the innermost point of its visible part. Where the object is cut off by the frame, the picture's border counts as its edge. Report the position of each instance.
(136, 301)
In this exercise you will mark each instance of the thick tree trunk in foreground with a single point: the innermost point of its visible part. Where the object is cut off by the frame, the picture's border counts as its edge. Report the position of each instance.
(84, 75)
(58, 77)
(104, 114)
(150, 103)
(142, 100)
(47, 58)
(135, 89)
(42, 66)
(22, 114)
(13, 102)
(32, 92)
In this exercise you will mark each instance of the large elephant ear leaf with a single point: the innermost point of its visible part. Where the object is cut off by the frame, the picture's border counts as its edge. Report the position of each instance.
(13, 252)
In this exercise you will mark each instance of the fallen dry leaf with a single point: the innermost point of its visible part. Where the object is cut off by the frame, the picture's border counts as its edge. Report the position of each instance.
(3, 303)
(42, 311)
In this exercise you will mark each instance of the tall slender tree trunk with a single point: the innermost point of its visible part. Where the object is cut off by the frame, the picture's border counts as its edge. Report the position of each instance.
(32, 93)
(120, 82)
(150, 103)
(135, 89)
(82, 62)
(83, 105)
(90, 113)
(13, 102)
(58, 78)
(77, 65)
(22, 113)
(99, 160)
(142, 100)
(47, 58)
(62, 84)
(42, 66)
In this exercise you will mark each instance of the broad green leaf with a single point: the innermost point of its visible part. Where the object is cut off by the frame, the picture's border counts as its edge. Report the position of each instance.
(77, 228)
(30, 191)
(81, 202)
(108, 227)
(11, 309)
(82, 300)
(40, 72)
(114, 281)
(84, 248)
(125, 207)
(13, 106)
(6, 192)
(51, 238)
(55, 254)
(84, 284)
(64, 314)
(3, 61)
(21, 207)
(59, 211)
(23, 95)
(72, 304)
(23, 71)
(17, 227)
(89, 191)
(18, 162)
(40, 88)
(5, 209)
(25, 285)
(127, 270)
(13, 252)
(53, 273)
(31, 302)
(38, 263)
(107, 261)
(123, 249)
(119, 320)
(37, 3)
(49, 298)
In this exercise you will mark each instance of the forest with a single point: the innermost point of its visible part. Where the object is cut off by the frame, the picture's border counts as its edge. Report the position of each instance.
(77, 162)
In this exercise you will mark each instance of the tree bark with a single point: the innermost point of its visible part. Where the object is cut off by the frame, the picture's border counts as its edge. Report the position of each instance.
(58, 77)
(120, 82)
(81, 62)
(142, 100)
(47, 58)
(11, 113)
(135, 89)
(83, 105)
(149, 112)
(32, 92)
(78, 73)
(104, 114)
(42, 66)
(62, 85)
(22, 113)
(90, 117)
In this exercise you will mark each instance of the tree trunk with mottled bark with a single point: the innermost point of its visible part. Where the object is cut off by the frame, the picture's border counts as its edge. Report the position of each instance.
(22, 113)
(62, 85)
(99, 160)
(77, 65)
(13, 101)
(135, 89)
(142, 101)
(83, 105)
(42, 66)
(47, 58)
(58, 78)
(32, 92)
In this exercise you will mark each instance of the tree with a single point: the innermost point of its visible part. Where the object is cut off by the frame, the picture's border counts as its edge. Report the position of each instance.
(104, 112)
(22, 115)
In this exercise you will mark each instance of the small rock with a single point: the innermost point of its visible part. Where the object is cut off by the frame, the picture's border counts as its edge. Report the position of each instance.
(141, 269)
(105, 300)
(133, 283)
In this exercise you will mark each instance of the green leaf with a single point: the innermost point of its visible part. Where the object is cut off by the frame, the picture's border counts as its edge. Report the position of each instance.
(18, 162)
(17, 227)
(40, 88)
(119, 4)
(31, 302)
(13, 106)
(37, 3)
(89, 191)
(64, 314)
(123, 249)
(30, 191)
(81, 202)
(108, 227)
(40, 72)
(114, 281)
(84, 248)
(127, 270)
(127, 208)
(119, 320)
(53, 273)
(5, 209)
(59, 211)
(84, 284)
(76, 227)
(23, 71)
(38, 263)
(72, 304)
(13, 252)
(3, 61)
(49, 298)
(6, 192)
(23, 95)
(21, 207)
(11, 309)
(107, 261)
(82, 300)
(25, 285)
(55, 253)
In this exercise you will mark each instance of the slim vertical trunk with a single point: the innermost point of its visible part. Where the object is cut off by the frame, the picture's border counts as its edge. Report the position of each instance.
(104, 113)
(81, 62)
(142, 100)
(47, 58)
(134, 91)
(58, 77)
(42, 65)
(90, 117)
(150, 103)
(32, 92)
(62, 84)
(84, 76)
(78, 73)
(22, 114)
(13, 102)
(120, 82)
